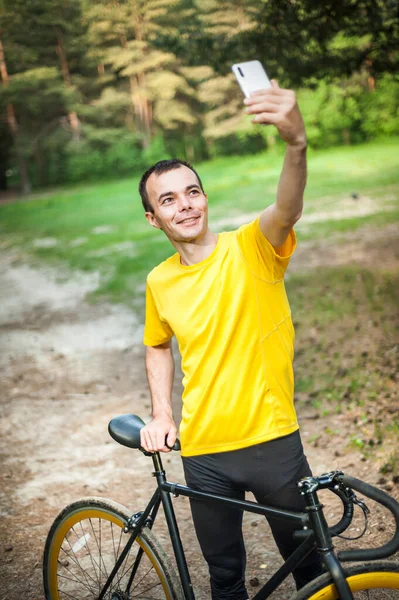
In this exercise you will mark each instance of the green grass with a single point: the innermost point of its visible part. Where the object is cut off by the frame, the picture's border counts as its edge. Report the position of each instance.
(131, 248)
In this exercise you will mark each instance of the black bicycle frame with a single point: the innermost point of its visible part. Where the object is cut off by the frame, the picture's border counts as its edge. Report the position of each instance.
(312, 523)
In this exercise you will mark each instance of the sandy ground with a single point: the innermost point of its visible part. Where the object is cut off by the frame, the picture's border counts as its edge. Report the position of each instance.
(67, 368)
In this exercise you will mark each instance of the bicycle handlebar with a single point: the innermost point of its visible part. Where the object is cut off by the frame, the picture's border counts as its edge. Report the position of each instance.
(382, 498)
(343, 485)
(347, 517)
(342, 524)
(176, 445)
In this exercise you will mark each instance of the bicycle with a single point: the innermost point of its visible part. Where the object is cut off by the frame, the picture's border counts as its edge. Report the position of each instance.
(97, 549)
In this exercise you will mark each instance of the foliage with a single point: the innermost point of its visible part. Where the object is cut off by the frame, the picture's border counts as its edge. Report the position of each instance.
(381, 109)
(346, 112)
(92, 89)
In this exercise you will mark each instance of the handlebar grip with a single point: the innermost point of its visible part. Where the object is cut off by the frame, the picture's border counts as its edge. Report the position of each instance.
(347, 517)
(176, 446)
(382, 498)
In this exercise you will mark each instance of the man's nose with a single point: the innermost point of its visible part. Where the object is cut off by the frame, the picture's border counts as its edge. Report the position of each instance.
(184, 202)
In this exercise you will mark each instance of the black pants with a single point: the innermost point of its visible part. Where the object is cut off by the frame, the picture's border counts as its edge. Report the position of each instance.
(270, 471)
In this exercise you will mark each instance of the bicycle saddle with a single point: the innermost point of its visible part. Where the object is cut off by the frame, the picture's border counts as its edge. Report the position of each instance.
(125, 430)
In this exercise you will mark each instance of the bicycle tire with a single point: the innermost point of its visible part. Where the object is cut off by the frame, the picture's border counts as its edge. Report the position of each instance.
(378, 578)
(83, 545)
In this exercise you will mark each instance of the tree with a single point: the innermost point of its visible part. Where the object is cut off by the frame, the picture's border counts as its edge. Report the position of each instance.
(14, 131)
(124, 35)
(299, 41)
(44, 35)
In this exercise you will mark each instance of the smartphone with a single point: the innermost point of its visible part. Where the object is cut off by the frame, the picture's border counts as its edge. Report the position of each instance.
(251, 76)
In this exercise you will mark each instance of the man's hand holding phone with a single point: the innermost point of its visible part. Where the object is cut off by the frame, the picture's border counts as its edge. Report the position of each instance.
(276, 106)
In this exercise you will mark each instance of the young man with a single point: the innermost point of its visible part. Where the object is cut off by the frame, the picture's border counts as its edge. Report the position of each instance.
(223, 298)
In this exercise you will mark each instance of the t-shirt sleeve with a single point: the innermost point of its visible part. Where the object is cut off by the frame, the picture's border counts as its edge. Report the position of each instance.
(263, 259)
(156, 330)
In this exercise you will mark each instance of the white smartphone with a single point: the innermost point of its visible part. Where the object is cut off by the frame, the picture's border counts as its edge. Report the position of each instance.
(251, 76)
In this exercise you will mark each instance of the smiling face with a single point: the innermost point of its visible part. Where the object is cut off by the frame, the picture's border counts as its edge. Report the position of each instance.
(179, 204)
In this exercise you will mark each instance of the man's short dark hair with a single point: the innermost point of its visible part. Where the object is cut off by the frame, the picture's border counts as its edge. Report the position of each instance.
(163, 166)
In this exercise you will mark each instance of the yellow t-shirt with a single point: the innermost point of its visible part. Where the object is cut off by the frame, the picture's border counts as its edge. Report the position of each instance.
(232, 321)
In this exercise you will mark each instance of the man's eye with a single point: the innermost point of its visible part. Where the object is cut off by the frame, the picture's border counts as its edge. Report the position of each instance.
(166, 200)
(194, 192)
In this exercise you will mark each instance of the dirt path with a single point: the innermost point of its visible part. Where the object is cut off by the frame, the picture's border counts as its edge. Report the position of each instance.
(67, 368)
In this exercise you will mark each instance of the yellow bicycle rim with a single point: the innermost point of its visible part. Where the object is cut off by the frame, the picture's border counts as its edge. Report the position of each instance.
(363, 581)
(92, 513)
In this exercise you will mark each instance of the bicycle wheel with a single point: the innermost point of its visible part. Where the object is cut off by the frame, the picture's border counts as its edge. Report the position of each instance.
(83, 546)
(377, 580)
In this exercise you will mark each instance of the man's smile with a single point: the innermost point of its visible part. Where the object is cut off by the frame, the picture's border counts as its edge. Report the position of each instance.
(188, 220)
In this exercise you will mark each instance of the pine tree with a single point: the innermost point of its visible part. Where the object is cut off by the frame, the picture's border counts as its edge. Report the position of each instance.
(14, 130)
(125, 36)
(44, 42)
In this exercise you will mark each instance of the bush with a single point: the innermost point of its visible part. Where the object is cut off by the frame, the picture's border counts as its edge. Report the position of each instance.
(238, 143)
(121, 158)
(347, 112)
(381, 109)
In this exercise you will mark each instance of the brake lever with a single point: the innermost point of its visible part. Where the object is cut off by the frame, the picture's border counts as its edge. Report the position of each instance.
(361, 504)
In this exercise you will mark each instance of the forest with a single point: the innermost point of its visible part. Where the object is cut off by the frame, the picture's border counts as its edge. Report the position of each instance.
(100, 89)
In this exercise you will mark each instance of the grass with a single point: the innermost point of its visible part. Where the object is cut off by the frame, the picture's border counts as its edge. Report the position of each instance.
(127, 249)
(346, 318)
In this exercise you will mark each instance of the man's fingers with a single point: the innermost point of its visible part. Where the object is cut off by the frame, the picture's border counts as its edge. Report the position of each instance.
(160, 440)
(153, 440)
(272, 92)
(266, 118)
(145, 440)
(171, 437)
(262, 107)
(272, 100)
(153, 436)
(275, 84)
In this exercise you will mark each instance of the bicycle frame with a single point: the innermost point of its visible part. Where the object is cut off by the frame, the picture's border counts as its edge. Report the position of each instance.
(312, 523)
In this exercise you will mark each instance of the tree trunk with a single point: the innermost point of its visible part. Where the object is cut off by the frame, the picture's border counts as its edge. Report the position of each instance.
(72, 116)
(370, 77)
(346, 136)
(13, 125)
(138, 109)
(146, 112)
(189, 147)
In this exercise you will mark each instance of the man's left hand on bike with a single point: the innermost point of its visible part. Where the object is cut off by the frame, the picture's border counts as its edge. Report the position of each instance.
(158, 431)
(276, 106)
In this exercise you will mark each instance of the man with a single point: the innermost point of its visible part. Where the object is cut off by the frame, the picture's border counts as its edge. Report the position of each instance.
(223, 297)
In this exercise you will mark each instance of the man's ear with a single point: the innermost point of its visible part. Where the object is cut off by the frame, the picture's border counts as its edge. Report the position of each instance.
(151, 218)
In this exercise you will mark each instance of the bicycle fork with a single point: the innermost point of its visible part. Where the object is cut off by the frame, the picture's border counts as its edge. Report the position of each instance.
(308, 487)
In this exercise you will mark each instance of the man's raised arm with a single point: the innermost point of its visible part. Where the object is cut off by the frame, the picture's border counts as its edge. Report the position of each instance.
(279, 107)
(160, 372)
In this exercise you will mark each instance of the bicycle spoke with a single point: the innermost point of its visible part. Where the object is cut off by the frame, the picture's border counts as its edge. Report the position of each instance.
(113, 541)
(76, 561)
(99, 549)
(134, 569)
(124, 568)
(88, 550)
(156, 584)
(145, 575)
(75, 579)
(119, 544)
(69, 595)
